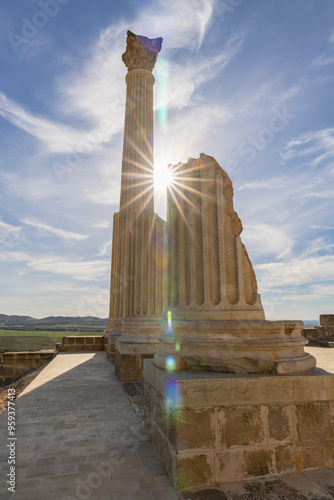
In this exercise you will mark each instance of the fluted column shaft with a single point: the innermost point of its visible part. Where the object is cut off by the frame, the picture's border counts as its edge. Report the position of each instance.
(137, 163)
(210, 273)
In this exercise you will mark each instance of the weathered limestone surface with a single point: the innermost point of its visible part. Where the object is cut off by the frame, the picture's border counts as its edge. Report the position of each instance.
(216, 319)
(213, 427)
(137, 291)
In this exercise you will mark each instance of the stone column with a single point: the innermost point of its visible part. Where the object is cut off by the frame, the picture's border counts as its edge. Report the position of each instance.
(216, 319)
(137, 298)
(114, 323)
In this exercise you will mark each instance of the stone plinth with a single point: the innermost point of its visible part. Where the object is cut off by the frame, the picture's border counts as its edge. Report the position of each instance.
(213, 427)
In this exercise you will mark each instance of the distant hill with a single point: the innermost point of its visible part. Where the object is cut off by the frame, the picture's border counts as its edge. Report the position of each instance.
(309, 323)
(28, 321)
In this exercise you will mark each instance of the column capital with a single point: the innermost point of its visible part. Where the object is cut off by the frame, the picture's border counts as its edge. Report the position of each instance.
(141, 52)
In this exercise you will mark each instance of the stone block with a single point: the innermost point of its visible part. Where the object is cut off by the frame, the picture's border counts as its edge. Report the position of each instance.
(313, 422)
(69, 340)
(161, 416)
(72, 348)
(241, 463)
(285, 459)
(194, 470)
(280, 423)
(258, 462)
(8, 371)
(230, 465)
(312, 458)
(328, 453)
(80, 340)
(128, 367)
(191, 429)
(311, 334)
(327, 320)
(241, 426)
(168, 458)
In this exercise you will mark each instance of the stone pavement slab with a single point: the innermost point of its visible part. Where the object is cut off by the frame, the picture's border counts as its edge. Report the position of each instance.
(78, 437)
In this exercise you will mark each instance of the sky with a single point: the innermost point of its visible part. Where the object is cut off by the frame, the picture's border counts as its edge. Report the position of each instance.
(248, 82)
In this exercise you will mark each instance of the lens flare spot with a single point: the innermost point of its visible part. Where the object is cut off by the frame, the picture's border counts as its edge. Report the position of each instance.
(162, 76)
(177, 347)
(169, 322)
(172, 395)
(170, 364)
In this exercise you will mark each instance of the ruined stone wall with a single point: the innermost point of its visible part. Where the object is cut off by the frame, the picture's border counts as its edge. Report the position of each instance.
(18, 363)
(81, 343)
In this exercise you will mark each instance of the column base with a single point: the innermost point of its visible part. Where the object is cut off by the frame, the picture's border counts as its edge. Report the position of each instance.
(254, 347)
(111, 334)
(139, 340)
(212, 428)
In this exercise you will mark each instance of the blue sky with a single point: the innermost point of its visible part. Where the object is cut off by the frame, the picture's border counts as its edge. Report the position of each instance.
(248, 82)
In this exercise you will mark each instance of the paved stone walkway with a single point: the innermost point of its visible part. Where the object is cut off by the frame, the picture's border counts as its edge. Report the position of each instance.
(78, 437)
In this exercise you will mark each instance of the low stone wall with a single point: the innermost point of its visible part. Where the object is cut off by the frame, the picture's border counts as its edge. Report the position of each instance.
(18, 363)
(211, 427)
(323, 335)
(81, 343)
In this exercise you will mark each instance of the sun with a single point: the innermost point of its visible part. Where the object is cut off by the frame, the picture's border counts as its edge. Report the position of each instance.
(163, 177)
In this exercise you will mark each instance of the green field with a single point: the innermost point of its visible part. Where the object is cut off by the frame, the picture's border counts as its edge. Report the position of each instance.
(20, 340)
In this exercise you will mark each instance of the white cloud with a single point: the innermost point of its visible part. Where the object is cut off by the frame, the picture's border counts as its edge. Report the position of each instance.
(317, 247)
(264, 239)
(177, 84)
(103, 225)
(106, 249)
(78, 269)
(275, 183)
(67, 235)
(8, 229)
(322, 227)
(57, 137)
(323, 289)
(182, 24)
(328, 56)
(319, 143)
(296, 272)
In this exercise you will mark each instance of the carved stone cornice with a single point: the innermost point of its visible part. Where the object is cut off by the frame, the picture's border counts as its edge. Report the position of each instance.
(141, 52)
